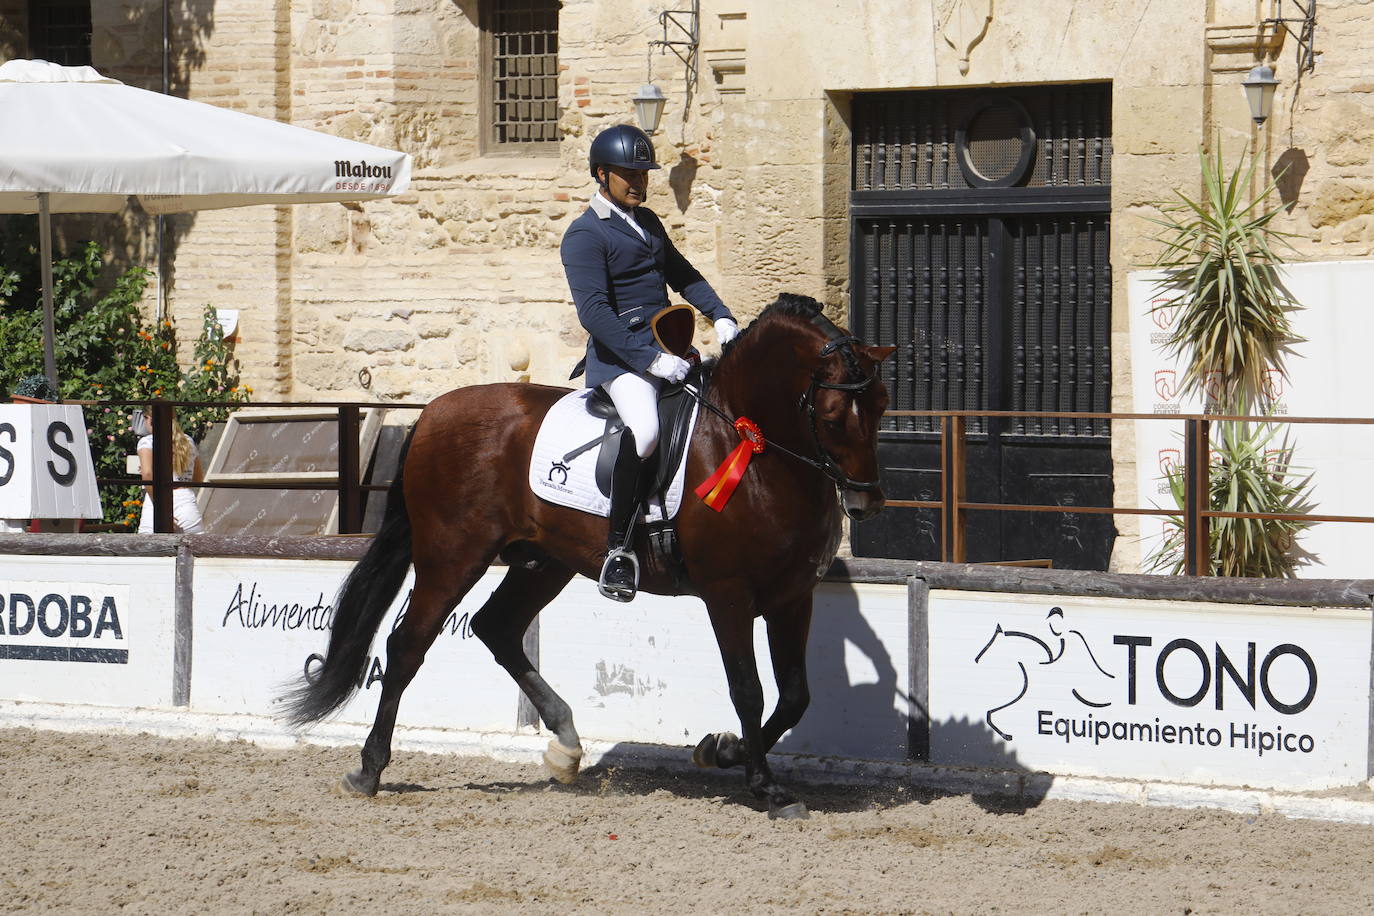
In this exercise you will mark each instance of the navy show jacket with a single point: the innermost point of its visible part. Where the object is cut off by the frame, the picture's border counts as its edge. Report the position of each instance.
(619, 281)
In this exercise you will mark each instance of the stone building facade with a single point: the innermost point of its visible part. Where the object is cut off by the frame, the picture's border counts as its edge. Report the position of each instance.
(459, 282)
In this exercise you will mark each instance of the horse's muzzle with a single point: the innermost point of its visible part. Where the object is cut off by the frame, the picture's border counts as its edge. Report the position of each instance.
(862, 504)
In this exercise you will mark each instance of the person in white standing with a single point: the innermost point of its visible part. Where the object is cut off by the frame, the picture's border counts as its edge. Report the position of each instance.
(186, 466)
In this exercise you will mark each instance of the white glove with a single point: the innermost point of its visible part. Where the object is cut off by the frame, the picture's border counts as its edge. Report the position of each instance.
(670, 368)
(726, 330)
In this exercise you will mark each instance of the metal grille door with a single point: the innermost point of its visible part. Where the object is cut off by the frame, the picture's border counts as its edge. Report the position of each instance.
(980, 247)
(1061, 323)
(924, 285)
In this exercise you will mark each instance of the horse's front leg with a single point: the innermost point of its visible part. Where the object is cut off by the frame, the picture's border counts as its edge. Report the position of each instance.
(734, 627)
(788, 629)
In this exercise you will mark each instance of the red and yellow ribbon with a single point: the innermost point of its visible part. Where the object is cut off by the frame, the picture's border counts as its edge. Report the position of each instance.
(717, 488)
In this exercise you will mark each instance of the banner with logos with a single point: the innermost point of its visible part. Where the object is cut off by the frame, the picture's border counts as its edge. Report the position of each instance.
(1140, 689)
(651, 671)
(260, 624)
(1324, 377)
(87, 629)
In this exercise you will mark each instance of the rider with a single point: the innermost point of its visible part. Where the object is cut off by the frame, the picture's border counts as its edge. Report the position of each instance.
(619, 259)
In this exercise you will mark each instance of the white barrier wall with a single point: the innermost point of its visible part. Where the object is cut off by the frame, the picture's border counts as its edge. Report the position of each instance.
(651, 671)
(87, 629)
(1118, 688)
(1142, 689)
(258, 623)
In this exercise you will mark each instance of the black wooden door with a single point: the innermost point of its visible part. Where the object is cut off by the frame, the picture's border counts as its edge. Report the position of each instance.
(980, 229)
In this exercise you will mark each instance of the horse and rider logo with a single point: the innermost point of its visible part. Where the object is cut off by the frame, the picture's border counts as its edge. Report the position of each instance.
(1066, 649)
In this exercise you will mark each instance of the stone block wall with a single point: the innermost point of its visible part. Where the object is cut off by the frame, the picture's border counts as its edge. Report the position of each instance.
(459, 281)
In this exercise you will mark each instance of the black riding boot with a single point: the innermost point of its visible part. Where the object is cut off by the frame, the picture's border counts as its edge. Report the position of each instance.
(620, 574)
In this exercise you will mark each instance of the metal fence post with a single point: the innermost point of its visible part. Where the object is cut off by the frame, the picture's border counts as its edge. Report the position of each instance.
(163, 518)
(350, 472)
(952, 489)
(1197, 487)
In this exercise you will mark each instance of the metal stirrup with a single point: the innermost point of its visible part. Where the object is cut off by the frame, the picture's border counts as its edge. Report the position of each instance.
(608, 591)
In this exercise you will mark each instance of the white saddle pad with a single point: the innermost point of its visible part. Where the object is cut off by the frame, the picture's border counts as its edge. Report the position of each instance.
(572, 483)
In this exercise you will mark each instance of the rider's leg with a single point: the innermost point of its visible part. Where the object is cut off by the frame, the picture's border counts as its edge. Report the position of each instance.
(636, 400)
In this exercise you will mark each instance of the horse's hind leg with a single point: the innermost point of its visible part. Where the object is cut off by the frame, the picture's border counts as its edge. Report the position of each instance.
(433, 597)
(501, 624)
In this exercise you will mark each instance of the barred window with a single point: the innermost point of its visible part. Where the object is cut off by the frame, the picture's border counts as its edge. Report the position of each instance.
(60, 31)
(522, 74)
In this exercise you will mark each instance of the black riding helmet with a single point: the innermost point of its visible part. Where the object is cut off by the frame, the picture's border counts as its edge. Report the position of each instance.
(622, 145)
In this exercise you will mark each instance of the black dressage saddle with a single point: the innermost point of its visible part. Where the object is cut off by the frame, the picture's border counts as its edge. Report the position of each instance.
(674, 419)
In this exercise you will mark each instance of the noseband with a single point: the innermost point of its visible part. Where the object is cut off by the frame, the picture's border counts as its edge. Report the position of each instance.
(856, 383)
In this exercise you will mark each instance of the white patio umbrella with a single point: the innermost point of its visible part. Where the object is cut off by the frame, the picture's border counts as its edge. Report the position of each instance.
(73, 141)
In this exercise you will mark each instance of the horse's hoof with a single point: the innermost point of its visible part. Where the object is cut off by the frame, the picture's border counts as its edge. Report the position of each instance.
(707, 753)
(704, 755)
(356, 783)
(563, 762)
(793, 812)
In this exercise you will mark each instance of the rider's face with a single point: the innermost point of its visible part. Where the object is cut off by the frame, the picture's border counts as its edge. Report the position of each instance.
(627, 188)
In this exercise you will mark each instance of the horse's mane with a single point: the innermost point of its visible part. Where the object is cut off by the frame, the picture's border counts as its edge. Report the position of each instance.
(787, 304)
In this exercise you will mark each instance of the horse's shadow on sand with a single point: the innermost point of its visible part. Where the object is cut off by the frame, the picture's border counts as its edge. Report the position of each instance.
(631, 777)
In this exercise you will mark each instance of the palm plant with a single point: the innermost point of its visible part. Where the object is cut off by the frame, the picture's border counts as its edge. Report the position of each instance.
(1230, 329)
(1221, 274)
(1246, 475)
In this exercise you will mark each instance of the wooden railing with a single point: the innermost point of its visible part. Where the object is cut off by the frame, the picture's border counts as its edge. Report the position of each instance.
(348, 481)
(952, 504)
(1196, 516)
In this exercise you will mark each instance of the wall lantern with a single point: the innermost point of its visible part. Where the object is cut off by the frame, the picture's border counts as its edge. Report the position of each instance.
(682, 36)
(1259, 92)
(649, 101)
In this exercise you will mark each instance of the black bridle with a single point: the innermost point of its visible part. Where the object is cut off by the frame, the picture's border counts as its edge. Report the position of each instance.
(856, 384)
(836, 342)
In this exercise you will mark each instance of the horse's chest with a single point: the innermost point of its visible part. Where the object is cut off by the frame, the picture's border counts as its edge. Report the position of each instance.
(817, 547)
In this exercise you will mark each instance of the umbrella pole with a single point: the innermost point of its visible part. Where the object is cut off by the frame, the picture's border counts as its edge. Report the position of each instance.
(49, 328)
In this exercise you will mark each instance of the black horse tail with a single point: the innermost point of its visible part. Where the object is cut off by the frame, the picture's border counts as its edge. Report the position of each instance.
(362, 601)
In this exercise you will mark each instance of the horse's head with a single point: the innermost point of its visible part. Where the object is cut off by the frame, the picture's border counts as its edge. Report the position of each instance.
(846, 400)
(838, 394)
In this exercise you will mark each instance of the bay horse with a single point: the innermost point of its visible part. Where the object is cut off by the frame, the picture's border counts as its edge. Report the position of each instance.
(462, 499)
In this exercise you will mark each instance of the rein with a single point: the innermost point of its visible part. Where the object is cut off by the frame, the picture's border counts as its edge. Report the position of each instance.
(825, 462)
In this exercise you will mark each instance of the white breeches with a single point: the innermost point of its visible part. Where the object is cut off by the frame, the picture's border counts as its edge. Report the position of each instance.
(636, 400)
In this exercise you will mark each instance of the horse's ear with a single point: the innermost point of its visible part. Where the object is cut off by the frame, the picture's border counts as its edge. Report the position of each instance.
(878, 354)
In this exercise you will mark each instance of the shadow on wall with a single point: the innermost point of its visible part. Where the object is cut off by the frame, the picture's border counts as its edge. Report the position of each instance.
(1289, 171)
(680, 179)
(861, 712)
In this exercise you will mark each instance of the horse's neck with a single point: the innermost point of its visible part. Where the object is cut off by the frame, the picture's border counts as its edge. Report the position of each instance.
(761, 381)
